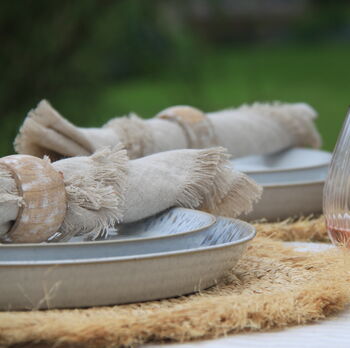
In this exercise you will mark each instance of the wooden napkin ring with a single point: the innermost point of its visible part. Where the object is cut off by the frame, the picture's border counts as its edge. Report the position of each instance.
(196, 125)
(183, 113)
(44, 199)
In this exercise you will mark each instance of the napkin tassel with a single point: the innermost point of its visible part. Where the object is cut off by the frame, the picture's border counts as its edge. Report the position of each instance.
(95, 197)
(215, 187)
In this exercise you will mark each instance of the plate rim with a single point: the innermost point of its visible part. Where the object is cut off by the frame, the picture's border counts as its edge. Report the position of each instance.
(260, 171)
(140, 257)
(301, 183)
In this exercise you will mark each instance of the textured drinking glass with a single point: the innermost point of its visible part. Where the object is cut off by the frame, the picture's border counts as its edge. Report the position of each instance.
(336, 194)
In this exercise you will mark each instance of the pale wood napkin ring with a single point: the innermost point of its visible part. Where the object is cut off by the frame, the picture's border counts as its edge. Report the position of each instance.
(196, 125)
(44, 199)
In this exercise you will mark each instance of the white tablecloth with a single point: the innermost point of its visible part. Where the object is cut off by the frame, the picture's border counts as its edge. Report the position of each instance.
(331, 333)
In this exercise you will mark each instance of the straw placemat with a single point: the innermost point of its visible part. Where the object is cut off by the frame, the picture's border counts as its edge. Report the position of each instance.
(306, 229)
(273, 286)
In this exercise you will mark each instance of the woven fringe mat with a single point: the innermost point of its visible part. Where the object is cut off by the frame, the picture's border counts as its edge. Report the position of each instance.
(273, 286)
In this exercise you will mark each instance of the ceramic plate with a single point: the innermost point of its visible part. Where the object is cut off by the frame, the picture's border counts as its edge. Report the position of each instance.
(290, 166)
(293, 182)
(176, 228)
(115, 280)
(279, 202)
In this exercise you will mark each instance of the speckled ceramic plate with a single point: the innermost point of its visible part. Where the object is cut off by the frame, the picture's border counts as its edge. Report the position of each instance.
(291, 166)
(279, 202)
(114, 280)
(176, 228)
(293, 182)
(286, 167)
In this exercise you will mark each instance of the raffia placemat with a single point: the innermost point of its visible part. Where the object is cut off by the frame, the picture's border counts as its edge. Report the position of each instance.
(273, 286)
(305, 229)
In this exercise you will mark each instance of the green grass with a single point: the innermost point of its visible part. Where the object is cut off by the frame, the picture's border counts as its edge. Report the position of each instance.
(317, 74)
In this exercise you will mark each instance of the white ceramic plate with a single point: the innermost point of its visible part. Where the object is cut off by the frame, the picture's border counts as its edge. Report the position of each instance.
(293, 182)
(176, 228)
(279, 202)
(295, 165)
(115, 280)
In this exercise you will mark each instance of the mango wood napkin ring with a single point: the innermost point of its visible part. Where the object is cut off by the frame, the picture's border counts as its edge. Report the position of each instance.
(44, 199)
(196, 125)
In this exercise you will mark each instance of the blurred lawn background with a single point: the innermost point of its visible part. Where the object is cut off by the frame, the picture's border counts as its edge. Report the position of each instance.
(96, 59)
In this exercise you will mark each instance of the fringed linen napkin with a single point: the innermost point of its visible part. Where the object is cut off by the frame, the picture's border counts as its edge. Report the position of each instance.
(249, 129)
(87, 195)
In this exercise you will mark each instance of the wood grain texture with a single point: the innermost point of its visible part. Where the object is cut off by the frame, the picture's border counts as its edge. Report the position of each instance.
(196, 125)
(44, 197)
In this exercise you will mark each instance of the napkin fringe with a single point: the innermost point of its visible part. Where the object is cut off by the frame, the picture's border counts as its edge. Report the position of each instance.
(201, 177)
(101, 190)
(241, 194)
(35, 131)
(24, 142)
(215, 187)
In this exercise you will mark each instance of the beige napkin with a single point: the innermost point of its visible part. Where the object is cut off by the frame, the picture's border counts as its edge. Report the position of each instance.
(106, 188)
(249, 129)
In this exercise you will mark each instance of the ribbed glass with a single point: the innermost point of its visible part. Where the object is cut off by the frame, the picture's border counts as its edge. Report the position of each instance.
(336, 194)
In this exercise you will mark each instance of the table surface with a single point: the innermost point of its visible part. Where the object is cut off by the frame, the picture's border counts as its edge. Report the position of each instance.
(333, 331)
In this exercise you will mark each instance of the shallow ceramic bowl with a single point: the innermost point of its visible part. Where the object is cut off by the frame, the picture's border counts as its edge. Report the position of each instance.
(292, 180)
(114, 280)
(297, 165)
(176, 228)
(280, 202)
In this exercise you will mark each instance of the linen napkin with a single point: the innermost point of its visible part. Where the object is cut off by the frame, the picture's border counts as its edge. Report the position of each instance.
(249, 129)
(107, 188)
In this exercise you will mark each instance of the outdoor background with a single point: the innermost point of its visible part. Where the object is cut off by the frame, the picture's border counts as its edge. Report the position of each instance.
(96, 59)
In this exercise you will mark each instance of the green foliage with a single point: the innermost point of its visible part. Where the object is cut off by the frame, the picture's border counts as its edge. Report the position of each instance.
(95, 59)
(315, 74)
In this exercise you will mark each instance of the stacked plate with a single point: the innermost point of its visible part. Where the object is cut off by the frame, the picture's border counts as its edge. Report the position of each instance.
(293, 182)
(177, 252)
